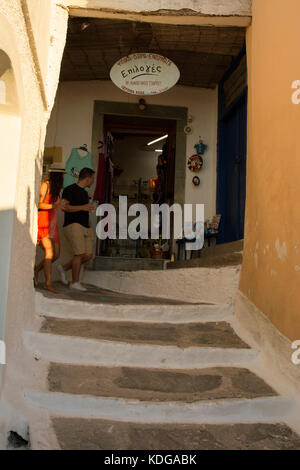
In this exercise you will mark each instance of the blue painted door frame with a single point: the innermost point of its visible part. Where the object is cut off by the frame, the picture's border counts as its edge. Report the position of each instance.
(231, 167)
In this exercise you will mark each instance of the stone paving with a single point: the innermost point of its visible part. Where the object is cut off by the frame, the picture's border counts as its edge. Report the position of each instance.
(212, 334)
(96, 434)
(158, 385)
(96, 295)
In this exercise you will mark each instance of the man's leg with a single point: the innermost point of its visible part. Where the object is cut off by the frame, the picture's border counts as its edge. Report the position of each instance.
(78, 260)
(76, 265)
(89, 240)
(86, 257)
(74, 233)
(68, 265)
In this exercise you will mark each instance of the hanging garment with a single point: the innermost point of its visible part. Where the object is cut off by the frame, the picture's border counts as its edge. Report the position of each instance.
(99, 194)
(75, 164)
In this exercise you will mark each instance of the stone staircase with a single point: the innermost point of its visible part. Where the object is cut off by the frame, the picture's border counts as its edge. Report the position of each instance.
(133, 372)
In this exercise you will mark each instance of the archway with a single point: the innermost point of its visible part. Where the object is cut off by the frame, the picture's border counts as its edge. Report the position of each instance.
(10, 131)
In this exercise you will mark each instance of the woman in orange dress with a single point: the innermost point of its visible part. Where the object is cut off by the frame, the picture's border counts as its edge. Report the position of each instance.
(48, 234)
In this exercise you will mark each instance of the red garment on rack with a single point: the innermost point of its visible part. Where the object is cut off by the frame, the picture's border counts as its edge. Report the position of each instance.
(99, 194)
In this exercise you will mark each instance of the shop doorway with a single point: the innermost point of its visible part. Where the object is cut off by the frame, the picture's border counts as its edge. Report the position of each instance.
(139, 164)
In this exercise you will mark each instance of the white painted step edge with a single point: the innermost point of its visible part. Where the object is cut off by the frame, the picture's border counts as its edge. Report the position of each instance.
(258, 410)
(81, 351)
(70, 309)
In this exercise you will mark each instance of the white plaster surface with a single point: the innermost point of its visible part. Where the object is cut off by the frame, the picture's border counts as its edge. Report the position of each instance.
(75, 350)
(272, 409)
(40, 19)
(274, 363)
(275, 349)
(191, 285)
(60, 308)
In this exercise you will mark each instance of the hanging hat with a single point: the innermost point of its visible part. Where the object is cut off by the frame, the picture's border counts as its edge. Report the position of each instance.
(57, 167)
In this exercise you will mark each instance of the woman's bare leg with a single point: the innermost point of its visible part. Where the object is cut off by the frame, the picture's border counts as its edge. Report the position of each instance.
(47, 244)
(37, 269)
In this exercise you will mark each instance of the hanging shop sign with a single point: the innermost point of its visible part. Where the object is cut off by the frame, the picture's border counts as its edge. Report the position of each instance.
(144, 74)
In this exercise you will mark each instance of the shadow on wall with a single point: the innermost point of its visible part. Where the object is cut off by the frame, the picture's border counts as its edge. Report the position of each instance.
(16, 286)
(16, 314)
(17, 253)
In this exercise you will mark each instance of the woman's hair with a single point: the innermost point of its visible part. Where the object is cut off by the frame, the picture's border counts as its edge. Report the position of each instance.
(56, 180)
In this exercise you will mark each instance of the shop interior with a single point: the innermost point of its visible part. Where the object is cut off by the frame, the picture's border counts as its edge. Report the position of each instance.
(140, 165)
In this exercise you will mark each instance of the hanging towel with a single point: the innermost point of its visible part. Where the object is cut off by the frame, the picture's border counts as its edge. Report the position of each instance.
(75, 164)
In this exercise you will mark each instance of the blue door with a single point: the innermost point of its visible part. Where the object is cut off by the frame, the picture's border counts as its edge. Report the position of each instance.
(232, 152)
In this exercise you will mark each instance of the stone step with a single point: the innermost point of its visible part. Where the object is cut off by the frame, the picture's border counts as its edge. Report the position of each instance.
(210, 285)
(83, 351)
(105, 263)
(227, 254)
(222, 249)
(53, 306)
(265, 409)
(99, 296)
(95, 434)
(158, 385)
(209, 334)
(217, 261)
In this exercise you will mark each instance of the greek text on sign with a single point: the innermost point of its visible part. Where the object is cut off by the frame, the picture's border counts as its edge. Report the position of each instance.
(144, 74)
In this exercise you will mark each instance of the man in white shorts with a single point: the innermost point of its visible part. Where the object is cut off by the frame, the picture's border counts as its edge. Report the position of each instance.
(77, 229)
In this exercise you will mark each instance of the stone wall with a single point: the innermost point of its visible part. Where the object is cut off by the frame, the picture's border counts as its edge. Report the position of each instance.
(271, 265)
(36, 84)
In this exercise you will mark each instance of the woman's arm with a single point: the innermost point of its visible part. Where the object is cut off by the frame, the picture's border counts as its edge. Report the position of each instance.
(43, 192)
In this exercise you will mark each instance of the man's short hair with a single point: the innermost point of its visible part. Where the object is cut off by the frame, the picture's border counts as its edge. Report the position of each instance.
(86, 173)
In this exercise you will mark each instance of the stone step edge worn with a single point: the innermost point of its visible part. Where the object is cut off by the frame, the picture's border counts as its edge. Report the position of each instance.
(81, 351)
(159, 313)
(269, 409)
